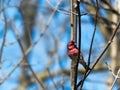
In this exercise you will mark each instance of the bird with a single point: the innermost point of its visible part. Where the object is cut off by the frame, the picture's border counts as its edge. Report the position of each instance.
(73, 52)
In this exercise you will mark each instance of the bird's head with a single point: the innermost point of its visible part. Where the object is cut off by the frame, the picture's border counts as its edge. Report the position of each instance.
(71, 45)
(72, 49)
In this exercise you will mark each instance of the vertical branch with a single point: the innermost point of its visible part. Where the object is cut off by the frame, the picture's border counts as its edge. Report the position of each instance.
(79, 40)
(93, 36)
(79, 34)
(73, 20)
(28, 11)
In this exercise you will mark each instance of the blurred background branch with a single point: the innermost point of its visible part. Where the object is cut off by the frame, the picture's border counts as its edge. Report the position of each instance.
(43, 28)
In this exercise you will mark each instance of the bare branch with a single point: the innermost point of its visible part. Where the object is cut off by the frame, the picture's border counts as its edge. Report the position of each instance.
(93, 36)
(73, 20)
(25, 57)
(90, 51)
(102, 53)
(52, 79)
(4, 36)
(30, 47)
(115, 76)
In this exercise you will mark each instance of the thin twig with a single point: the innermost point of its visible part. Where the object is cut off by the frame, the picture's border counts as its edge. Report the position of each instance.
(116, 78)
(90, 51)
(63, 11)
(51, 17)
(110, 69)
(102, 53)
(68, 12)
(4, 36)
(25, 57)
(52, 78)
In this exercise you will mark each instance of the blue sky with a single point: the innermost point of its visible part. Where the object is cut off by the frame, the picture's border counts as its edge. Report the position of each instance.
(38, 57)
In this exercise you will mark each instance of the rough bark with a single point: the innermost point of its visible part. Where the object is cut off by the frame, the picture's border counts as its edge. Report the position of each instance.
(73, 19)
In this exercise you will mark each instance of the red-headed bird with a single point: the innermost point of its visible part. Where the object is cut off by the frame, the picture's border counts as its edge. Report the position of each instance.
(73, 51)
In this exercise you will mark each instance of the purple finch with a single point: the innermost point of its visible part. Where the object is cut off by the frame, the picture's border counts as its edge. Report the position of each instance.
(73, 52)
